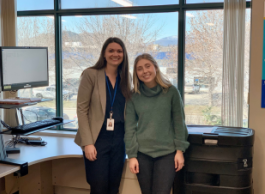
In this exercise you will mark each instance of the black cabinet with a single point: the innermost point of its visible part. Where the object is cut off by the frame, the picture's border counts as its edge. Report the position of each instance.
(218, 161)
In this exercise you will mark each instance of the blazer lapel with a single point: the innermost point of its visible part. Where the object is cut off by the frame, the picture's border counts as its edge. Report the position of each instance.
(102, 88)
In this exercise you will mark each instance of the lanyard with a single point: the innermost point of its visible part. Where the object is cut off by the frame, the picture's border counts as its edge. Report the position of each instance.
(115, 91)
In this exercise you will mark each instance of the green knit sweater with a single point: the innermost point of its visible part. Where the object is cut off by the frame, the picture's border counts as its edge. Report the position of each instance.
(155, 123)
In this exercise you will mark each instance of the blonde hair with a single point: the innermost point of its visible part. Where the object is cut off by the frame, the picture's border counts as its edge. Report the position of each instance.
(160, 77)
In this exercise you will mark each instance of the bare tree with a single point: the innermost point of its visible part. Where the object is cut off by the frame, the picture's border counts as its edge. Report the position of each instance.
(37, 31)
(82, 41)
(205, 44)
(137, 32)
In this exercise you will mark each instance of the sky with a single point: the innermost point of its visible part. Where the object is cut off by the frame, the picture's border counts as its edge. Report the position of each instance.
(169, 21)
(66, 4)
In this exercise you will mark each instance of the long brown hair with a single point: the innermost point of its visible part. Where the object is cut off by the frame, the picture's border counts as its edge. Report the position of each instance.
(160, 77)
(123, 68)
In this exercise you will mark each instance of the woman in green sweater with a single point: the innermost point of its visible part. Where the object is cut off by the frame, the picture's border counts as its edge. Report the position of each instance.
(155, 129)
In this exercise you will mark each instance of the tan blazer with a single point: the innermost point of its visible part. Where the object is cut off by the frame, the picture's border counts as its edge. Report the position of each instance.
(91, 106)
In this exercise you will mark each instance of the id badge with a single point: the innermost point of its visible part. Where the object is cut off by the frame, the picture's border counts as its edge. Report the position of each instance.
(110, 124)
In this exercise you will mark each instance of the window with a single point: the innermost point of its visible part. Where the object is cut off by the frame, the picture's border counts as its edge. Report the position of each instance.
(203, 67)
(145, 26)
(84, 36)
(38, 31)
(204, 1)
(247, 66)
(69, 4)
(23, 5)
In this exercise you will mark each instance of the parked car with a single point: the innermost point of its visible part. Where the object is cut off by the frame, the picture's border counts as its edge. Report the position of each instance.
(50, 92)
(192, 89)
(38, 113)
(71, 85)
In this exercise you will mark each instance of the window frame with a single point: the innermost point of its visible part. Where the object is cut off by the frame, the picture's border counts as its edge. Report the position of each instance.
(57, 12)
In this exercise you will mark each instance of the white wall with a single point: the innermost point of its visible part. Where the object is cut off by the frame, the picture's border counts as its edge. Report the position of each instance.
(257, 114)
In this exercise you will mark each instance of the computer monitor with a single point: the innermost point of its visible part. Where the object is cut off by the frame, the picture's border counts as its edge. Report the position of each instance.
(23, 67)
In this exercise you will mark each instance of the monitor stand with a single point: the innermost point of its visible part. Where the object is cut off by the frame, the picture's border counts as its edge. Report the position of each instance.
(3, 152)
(3, 158)
(20, 121)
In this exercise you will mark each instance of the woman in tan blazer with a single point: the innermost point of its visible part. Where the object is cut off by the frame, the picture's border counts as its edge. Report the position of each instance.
(101, 98)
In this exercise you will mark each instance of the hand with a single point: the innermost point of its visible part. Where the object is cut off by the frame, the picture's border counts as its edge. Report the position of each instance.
(134, 165)
(179, 160)
(91, 152)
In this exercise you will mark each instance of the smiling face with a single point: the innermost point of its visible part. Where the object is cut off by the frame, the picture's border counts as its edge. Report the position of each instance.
(114, 54)
(146, 72)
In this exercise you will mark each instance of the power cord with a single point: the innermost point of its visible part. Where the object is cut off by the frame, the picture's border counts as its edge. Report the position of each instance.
(15, 140)
(26, 117)
(18, 139)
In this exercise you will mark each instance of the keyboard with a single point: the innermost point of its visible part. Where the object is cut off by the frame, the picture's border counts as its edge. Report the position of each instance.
(34, 125)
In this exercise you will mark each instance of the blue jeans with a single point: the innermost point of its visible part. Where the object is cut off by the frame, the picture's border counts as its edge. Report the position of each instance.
(156, 175)
(104, 174)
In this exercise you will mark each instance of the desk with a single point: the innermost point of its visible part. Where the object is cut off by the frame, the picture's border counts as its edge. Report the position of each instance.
(57, 168)
(57, 147)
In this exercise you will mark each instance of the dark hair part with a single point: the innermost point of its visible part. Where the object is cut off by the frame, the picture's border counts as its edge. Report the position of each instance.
(123, 68)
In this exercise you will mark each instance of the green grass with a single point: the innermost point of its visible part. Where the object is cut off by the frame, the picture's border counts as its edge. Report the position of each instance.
(69, 104)
(197, 109)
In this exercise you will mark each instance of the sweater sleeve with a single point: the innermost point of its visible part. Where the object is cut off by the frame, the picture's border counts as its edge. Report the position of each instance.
(130, 138)
(180, 128)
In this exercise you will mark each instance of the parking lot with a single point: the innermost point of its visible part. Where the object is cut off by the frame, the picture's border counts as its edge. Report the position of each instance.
(193, 115)
(194, 104)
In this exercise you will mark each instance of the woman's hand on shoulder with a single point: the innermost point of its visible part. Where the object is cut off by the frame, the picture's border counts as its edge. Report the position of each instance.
(134, 165)
(91, 152)
(179, 160)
